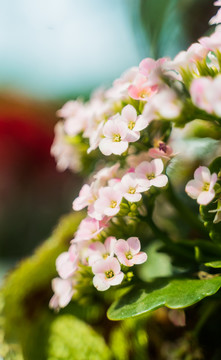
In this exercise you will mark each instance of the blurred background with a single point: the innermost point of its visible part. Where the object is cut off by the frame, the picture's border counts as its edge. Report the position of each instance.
(53, 51)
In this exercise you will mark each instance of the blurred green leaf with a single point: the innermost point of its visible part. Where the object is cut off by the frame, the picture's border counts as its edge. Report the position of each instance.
(214, 264)
(158, 264)
(27, 290)
(163, 27)
(71, 339)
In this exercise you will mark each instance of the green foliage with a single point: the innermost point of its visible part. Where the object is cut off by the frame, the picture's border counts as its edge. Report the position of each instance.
(29, 330)
(130, 337)
(72, 339)
(162, 26)
(27, 290)
(158, 264)
(215, 166)
(174, 293)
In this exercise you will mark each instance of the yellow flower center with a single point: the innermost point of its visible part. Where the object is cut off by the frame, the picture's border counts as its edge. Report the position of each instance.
(206, 186)
(109, 274)
(143, 94)
(131, 190)
(150, 176)
(131, 125)
(129, 256)
(105, 255)
(116, 138)
(113, 204)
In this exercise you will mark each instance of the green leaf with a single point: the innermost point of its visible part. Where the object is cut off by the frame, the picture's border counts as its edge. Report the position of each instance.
(214, 264)
(176, 293)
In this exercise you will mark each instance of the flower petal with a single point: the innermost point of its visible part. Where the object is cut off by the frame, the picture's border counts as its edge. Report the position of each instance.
(133, 197)
(121, 247)
(140, 258)
(159, 181)
(193, 188)
(110, 244)
(202, 173)
(118, 148)
(117, 279)
(100, 283)
(157, 166)
(134, 244)
(129, 113)
(105, 146)
(205, 197)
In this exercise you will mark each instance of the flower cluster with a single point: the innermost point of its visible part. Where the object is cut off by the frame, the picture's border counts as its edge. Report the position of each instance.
(104, 259)
(129, 127)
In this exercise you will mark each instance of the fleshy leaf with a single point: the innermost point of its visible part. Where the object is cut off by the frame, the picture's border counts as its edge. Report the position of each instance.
(176, 293)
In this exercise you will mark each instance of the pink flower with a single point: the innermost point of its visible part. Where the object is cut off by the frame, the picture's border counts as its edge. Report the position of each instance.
(149, 174)
(109, 201)
(196, 52)
(88, 229)
(95, 137)
(153, 70)
(106, 173)
(130, 188)
(119, 90)
(146, 66)
(206, 94)
(69, 109)
(201, 188)
(63, 292)
(140, 90)
(216, 19)
(75, 117)
(99, 251)
(164, 105)
(128, 251)
(115, 132)
(167, 104)
(113, 182)
(134, 123)
(67, 263)
(85, 198)
(161, 150)
(212, 42)
(107, 273)
(134, 160)
(200, 91)
(66, 155)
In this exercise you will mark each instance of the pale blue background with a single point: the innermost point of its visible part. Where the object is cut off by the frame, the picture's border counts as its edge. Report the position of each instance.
(53, 47)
